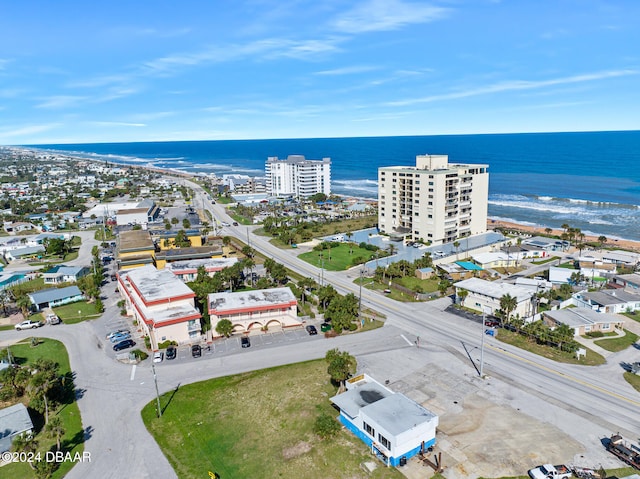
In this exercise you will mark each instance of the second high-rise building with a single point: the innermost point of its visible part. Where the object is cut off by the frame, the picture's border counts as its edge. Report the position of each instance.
(297, 176)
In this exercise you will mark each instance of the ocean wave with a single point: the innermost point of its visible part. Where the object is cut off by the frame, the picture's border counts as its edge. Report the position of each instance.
(369, 186)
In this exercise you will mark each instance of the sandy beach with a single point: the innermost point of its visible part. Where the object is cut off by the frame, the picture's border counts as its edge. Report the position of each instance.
(611, 242)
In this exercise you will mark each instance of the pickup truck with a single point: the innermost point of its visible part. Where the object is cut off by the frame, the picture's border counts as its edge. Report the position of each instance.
(549, 471)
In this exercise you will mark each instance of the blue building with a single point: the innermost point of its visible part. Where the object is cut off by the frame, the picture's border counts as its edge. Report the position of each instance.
(392, 425)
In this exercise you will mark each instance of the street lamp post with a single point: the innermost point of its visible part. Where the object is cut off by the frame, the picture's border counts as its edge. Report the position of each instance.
(484, 314)
(360, 298)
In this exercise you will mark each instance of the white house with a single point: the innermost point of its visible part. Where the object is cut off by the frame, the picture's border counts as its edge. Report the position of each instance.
(608, 301)
(392, 425)
(484, 296)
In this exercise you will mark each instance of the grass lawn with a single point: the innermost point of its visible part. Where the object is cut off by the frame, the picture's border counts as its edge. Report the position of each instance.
(73, 439)
(633, 379)
(76, 312)
(342, 257)
(419, 285)
(257, 424)
(545, 260)
(591, 359)
(618, 343)
(635, 315)
(31, 286)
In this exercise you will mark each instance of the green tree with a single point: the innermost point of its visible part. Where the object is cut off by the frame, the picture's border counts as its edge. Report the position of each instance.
(462, 295)
(182, 240)
(26, 443)
(42, 382)
(224, 327)
(175, 221)
(55, 428)
(341, 365)
(186, 224)
(508, 304)
(24, 303)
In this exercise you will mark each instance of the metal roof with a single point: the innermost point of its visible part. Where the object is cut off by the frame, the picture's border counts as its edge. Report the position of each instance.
(54, 294)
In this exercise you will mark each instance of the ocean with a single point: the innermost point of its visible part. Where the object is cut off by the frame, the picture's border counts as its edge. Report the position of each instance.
(588, 180)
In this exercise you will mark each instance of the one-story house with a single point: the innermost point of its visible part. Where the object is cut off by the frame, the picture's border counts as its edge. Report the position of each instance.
(26, 252)
(49, 298)
(630, 282)
(14, 421)
(392, 425)
(583, 320)
(609, 300)
(64, 274)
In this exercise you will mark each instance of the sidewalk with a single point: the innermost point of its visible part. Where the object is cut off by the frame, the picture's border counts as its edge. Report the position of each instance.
(590, 343)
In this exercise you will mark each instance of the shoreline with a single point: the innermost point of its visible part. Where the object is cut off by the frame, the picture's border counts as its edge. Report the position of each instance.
(492, 223)
(618, 243)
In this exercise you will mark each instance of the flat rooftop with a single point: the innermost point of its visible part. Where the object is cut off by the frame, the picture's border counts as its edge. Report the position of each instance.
(262, 298)
(155, 285)
(194, 264)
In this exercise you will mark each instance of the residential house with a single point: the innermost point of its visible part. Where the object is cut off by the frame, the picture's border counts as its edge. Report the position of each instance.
(26, 252)
(64, 274)
(484, 296)
(49, 298)
(621, 258)
(263, 309)
(459, 270)
(161, 304)
(8, 280)
(546, 244)
(14, 421)
(630, 282)
(497, 259)
(611, 301)
(558, 275)
(424, 273)
(395, 427)
(583, 320)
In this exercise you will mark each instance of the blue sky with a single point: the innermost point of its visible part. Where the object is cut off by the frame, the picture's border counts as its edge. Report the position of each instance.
(82, 72)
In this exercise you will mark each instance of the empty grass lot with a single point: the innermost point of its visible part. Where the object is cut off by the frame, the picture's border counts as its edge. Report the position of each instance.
(257, 424)
(76, 312)
(618, 343)
(339, 258)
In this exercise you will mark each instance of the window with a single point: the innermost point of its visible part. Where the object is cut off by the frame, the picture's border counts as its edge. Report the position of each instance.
(369, 430)
(606, 326)
(384, 441)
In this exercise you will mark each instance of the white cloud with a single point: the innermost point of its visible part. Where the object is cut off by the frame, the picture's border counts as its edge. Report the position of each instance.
(10, 135)
(62, 101)
(384, 15)
(116, 123)
(515, 85)
(3, 63)
(347, 70)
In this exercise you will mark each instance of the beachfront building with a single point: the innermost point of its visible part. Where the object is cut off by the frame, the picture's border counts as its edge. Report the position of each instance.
(484, 296)
(434, 201)
(264, 309)
(395, 427)
(296, 176)
(161, 304)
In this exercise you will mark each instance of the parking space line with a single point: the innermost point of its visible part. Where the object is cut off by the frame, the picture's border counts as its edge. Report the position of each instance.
(133, 373)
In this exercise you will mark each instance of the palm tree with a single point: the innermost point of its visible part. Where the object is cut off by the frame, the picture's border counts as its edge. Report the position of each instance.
(55, 428)
(462, 295)
(508, 304)
(602, 240)
(24, 303)
(456, 245)
(26, 443)
(548, 230)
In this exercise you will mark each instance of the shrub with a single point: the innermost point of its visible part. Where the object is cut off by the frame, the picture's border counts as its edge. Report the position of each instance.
(166, 344)
(141, 355)
(326, 426)
(147, 342)
(595, 334)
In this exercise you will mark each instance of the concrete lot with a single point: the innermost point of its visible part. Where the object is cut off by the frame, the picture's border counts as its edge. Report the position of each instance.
(487, 428)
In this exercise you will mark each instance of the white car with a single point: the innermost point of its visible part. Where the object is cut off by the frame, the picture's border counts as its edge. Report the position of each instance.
(224, 223)
(158, 356)
(28, 324)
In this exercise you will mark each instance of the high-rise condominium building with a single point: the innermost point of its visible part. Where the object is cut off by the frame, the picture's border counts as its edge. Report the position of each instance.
(434, 201)
(298, 176)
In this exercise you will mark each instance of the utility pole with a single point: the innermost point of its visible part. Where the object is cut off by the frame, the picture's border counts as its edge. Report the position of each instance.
(155, 380)
(360, 298)
(484, 314)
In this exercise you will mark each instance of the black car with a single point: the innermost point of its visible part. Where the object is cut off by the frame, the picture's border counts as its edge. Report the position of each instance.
(311, 329)
(171, 353)
(196, 351)
(245, 342)
(127, 343)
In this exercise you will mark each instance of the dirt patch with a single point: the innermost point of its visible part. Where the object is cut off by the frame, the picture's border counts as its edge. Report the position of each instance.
(298, 450)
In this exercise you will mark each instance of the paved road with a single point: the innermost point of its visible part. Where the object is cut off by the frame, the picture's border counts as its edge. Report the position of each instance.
(600, 389)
